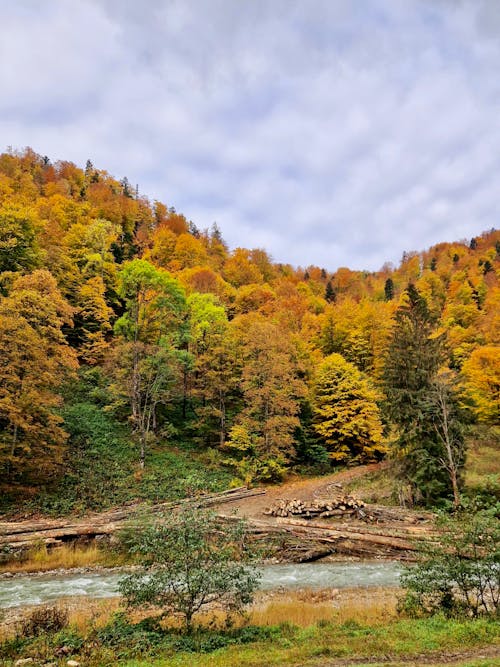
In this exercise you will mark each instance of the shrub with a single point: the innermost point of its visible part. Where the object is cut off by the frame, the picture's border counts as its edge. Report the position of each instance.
(43, 620)
(460, 573)
(189, 562)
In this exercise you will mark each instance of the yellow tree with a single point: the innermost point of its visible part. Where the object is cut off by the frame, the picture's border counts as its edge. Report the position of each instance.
(34, 362)
(482, 382)
(272, 389)
(346, 416)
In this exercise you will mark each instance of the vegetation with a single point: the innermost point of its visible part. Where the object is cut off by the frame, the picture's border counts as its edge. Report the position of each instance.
(460, 573)
(189, 562)
(147, 643)
(136, 345)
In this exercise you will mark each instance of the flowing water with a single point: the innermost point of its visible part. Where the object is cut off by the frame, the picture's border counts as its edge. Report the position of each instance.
(39, 589)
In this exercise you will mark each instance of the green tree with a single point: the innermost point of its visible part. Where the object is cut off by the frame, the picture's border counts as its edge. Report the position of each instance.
(19, 249)
(346, 417)
(413, 358)
(389, 289)
(189, 562)
(330, 292)
(217, 370)
(152, 333)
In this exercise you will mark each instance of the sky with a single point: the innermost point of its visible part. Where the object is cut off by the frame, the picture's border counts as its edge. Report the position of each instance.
(329, 132)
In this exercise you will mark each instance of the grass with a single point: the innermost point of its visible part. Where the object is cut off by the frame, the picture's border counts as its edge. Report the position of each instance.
(282, 630)
(378, 487)
(315, 645)
(483, 463)
(41, 559)
(102, 469)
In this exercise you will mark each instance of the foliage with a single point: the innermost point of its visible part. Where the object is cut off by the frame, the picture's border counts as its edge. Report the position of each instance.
(35, 362)
(346, 416)
(151, 330)
(459, 573)
(218, 348)
(189, 562)
(482, 374)
(272, 388)
(41, 620)
(420, 404)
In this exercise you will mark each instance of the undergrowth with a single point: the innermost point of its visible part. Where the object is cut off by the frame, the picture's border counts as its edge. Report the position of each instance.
(147, 642)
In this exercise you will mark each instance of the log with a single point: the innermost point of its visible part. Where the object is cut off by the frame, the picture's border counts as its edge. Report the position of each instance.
(24, 534)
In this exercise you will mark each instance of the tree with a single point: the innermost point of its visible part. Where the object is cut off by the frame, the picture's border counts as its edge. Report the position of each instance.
(329, 292)
(389, 289)
(482, 375)
(442, 405)
(19, 249)
(188, 562)
(460, 572)
(272, 389)
(35, 361)
(411, 366)
(346, 416)
(216, 367)
(152, 332)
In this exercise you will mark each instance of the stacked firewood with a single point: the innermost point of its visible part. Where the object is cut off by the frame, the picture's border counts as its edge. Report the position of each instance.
(341, 506)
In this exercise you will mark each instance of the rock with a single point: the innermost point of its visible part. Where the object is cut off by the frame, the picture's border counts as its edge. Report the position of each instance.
(23, 661)
(73, 663)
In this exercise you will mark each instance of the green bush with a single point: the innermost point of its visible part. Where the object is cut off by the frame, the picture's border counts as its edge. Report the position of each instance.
(460, 573)
(189, 562)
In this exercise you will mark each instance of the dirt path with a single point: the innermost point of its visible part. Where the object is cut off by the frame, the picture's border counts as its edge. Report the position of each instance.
(487, 655)
(302, 489)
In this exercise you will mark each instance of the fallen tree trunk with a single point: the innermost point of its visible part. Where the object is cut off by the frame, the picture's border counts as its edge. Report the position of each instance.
(20, 536)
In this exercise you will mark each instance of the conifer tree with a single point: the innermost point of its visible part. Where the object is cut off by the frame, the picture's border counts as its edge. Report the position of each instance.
(329, 292)
(389, 289)
(410, 375)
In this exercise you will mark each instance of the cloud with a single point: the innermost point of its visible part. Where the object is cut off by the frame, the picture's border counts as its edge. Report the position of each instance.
(331, 133)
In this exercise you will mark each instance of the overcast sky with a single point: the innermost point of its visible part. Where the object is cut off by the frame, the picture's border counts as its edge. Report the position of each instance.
(336, 133)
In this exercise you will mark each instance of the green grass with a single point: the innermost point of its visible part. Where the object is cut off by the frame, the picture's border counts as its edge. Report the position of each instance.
(102, 468)
(145, 645)
(482, 473)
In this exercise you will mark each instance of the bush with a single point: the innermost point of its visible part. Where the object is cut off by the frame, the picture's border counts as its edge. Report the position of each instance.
(189, 562)
(460, 574)
(43, 620)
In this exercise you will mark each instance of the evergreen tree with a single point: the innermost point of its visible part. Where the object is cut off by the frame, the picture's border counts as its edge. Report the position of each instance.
(329, 292)
(410, 373)
(389, 289)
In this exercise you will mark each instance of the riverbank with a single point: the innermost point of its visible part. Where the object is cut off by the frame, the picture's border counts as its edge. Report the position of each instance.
(263, 640)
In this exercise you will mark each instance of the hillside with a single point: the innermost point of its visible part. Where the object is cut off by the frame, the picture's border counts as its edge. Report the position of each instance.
(142, 358)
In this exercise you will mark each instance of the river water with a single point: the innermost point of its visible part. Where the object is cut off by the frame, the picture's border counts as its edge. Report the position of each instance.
(39, 589)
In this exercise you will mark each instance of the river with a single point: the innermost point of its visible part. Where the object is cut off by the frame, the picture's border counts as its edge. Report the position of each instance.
(19, 591)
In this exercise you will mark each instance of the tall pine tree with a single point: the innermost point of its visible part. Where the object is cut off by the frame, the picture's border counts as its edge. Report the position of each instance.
(410, 373)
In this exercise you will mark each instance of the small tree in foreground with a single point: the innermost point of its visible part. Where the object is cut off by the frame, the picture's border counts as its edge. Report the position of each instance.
(189, 561)
(460, 573)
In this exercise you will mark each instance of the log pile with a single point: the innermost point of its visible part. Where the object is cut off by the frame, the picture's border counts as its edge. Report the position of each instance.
(341, 507)
(18, 537)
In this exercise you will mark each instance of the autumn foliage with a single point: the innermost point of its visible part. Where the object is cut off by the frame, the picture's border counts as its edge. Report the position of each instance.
(264, 363)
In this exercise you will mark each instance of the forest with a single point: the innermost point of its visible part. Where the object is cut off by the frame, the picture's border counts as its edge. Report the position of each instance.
(140, 353)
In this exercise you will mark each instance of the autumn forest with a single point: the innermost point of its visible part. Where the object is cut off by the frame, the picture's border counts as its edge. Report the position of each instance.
(138, 349)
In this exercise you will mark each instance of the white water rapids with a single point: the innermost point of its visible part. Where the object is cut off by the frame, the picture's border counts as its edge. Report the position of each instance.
(38, 589)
